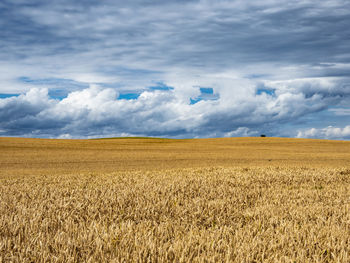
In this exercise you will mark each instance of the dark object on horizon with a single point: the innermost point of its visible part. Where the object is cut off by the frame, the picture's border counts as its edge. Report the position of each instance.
(262, 135)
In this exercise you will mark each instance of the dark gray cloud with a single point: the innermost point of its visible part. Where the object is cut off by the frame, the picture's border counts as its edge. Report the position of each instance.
(268, 63)
(205, 34)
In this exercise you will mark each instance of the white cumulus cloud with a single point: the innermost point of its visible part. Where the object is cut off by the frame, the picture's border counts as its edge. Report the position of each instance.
(326, 133)
(97, 111)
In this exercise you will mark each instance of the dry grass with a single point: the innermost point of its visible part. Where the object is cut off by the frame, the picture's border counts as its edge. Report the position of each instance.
(292, 205)
(34, 156)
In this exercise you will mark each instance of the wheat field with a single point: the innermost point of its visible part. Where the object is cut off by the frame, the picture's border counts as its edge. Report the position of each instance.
(161, 200)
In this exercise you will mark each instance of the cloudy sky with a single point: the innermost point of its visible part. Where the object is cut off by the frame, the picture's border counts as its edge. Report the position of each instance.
(179, 69)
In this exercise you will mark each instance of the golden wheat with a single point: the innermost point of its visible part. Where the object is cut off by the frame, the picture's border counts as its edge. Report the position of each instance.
(256, 213)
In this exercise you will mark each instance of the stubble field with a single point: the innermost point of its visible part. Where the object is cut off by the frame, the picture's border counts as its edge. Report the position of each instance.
(160, 200)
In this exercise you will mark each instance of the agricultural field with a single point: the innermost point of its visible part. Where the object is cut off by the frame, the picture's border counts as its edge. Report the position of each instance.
(163, 200)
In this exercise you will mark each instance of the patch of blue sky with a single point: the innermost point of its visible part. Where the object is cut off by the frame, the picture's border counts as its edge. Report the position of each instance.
(194, 101)
(5, 96)
(270, 92)
(206, 90)
(205, 94)
(129, 96)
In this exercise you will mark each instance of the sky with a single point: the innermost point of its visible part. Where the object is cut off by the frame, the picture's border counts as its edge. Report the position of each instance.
(176, 69)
